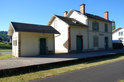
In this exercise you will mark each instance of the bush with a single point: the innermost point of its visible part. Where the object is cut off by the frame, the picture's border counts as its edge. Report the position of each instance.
(117, 45)
(5, 45)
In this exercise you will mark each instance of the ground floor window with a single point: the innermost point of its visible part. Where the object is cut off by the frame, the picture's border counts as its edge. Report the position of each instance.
(95, 41)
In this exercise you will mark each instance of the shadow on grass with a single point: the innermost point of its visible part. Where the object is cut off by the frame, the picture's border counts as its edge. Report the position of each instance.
(36, 68)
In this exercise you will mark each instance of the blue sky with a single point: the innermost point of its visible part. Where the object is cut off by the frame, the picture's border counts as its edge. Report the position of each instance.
(40, 11)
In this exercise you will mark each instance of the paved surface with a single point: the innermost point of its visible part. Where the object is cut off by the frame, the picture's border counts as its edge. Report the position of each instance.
(112, 72)
(5, 52)
(29, 61)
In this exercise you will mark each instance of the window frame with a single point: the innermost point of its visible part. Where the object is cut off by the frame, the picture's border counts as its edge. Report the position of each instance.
(106, 27)
(95, 26)
(119, 33)
(95, 41)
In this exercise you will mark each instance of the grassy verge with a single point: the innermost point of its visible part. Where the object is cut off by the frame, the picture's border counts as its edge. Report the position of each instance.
(58, 69)
(5, 49)
(5, 56)
(122, 81)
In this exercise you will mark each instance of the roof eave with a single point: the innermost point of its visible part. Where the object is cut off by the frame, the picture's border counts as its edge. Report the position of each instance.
(11, 27)
(101, 20)
(51, 20)
(85, 27)
(39, 32)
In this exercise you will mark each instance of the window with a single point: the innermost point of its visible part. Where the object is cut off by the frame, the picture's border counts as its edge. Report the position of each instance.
(14, 42)
(95, 41)
(119, 33)
(106, 27)
(95, 26)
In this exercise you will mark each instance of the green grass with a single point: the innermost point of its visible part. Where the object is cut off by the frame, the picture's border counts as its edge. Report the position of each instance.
(122, 81)
(5, 46)
(5, 56)
(59, 69)
(5, 49)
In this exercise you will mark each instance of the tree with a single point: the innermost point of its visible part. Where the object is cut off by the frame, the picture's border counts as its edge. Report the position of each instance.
(113, 25)
(1, 39)
(3, 35)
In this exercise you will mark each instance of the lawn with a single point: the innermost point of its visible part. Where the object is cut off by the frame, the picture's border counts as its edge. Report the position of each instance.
(5, 56)
(58, 69)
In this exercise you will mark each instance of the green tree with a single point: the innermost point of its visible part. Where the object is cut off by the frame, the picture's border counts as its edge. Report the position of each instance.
(1, 39)
(3, 35)
(113, 25)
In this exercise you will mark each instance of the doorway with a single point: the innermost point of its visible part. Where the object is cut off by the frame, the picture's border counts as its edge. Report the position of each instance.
(42, 46)
(79, 43)
(106, 43)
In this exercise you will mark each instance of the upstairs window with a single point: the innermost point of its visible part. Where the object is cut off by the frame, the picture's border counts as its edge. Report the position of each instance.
(119, 33)
(106, 27)
(95, 26)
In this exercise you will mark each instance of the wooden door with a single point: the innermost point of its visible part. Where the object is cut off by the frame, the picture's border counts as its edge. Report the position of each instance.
(42, 46)
(106, 43)
(79, 43)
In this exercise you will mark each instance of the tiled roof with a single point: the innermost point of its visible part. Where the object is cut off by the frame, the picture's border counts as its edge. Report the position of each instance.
(71, 21)
(116, 30)
(24, 27)
(94, 16)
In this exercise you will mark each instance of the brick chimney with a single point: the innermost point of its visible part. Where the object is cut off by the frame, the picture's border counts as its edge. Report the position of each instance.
(65, 13)
(82, 8)
(106, 15)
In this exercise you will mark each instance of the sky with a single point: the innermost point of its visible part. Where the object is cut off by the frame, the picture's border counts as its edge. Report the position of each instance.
(41, 11)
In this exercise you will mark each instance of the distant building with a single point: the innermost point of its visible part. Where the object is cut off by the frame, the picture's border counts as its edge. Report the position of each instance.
(118, 34)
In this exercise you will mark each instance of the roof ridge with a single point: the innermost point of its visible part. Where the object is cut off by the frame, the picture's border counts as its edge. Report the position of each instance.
(28, 23)
(88, 13)
(24, 27)
(93, 16)
(63, 16)
(117, 29)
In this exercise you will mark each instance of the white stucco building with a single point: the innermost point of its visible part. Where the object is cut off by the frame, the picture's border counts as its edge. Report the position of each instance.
(81, 31)
(118, 34)
(76, 31)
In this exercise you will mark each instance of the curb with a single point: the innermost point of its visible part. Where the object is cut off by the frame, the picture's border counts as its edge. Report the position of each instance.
(39, 67)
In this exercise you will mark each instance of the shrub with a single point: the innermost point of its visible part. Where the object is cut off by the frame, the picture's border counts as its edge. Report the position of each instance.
(5, 45)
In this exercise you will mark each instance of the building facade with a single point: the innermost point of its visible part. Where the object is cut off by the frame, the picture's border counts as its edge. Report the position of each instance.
(118, 34)
(81, 31)
(31, 39)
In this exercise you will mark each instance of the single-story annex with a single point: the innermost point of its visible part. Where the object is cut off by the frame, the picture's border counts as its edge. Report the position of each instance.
(31, 39)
